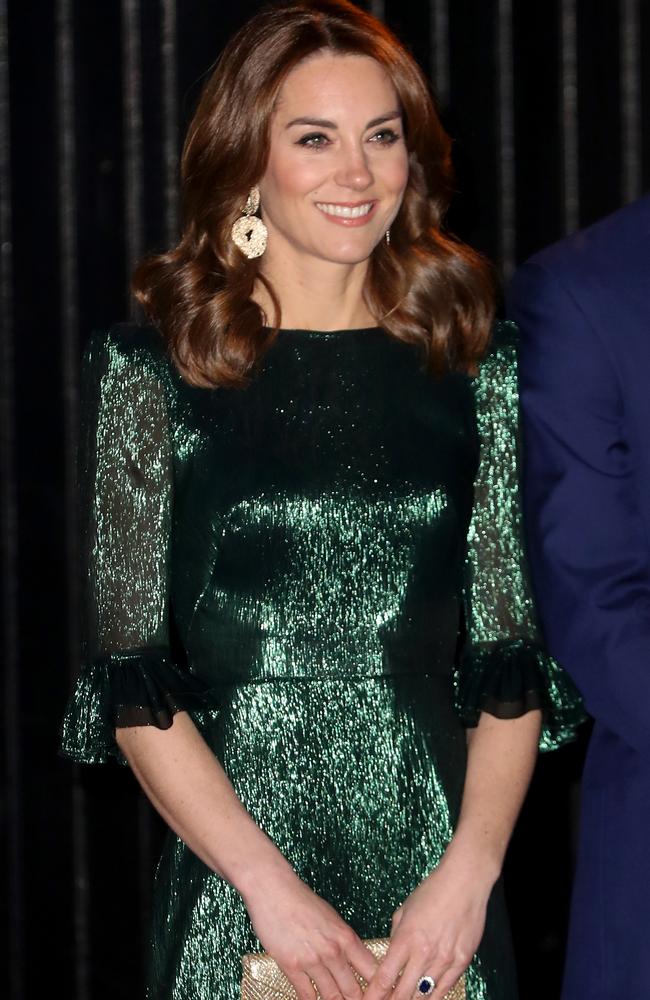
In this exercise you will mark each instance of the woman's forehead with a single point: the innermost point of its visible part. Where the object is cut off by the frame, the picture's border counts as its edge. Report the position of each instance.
(347, 82)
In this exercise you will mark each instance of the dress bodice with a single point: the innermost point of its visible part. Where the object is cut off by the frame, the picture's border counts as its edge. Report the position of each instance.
(321, 514)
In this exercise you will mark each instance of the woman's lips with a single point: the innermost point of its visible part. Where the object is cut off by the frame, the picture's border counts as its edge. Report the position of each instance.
(352, 213)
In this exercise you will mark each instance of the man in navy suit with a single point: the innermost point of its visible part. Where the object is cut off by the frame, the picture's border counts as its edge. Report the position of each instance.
(583, 307)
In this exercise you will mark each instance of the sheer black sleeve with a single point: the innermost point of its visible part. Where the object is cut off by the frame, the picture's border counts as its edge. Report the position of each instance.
(504, 668)
(128, 675)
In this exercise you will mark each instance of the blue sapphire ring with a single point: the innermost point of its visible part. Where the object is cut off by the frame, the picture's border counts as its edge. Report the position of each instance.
(426, 986)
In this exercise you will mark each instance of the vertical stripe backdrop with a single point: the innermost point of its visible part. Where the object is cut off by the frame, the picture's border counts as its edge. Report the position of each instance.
(546, 103)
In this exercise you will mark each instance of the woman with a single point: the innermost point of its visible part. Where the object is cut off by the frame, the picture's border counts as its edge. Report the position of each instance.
(281, 490)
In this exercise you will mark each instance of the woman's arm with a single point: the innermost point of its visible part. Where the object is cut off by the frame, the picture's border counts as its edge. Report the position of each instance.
(508, 691)
(132, 698)
(500, 764)
(438, 929)
(189, 788)
(191, 791)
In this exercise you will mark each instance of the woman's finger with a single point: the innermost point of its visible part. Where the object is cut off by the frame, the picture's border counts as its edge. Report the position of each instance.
(362, 959)
(415, 969)
(328, 984)
(343, 975)
(447, 980)
(387, 973)
(302, 984)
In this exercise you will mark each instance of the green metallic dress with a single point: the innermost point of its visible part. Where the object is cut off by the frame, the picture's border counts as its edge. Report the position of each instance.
(325, 569)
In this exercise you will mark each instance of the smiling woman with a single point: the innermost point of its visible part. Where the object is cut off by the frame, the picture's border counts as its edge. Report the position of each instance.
(310, 631)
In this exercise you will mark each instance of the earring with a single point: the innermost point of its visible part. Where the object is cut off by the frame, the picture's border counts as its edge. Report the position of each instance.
(387, 237)
(249, 232)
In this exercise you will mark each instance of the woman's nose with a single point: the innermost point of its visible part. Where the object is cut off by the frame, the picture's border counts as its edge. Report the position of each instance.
(353, 171)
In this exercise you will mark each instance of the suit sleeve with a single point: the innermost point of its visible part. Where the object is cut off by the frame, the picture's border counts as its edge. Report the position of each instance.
(128, 674)
(586, 541)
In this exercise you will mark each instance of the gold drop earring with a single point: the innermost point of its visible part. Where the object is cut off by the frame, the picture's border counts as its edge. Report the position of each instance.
(249, 232)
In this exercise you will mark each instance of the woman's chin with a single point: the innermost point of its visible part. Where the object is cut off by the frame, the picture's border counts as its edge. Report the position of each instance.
(348, 251)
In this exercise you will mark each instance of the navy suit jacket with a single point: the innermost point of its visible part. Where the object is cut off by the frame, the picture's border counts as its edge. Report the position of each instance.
(583, 307)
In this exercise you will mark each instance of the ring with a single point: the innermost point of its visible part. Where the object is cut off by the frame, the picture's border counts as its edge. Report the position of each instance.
(426, 985)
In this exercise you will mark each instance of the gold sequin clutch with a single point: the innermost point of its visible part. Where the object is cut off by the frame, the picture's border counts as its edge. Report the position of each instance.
(264, 980)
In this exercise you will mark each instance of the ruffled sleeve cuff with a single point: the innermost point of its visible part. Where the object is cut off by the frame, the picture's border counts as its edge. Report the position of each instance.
(141, 687)
(509, 679)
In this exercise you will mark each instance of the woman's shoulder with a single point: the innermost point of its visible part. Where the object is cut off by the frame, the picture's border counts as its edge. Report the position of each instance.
(503, 346)
(126, 346)
(497, 379)
(500, 359)
(128, 341)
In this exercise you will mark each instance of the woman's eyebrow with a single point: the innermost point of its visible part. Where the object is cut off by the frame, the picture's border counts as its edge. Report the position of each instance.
(324, 123)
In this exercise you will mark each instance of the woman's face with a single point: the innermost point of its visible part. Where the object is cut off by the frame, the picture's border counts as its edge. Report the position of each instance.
(338, 164)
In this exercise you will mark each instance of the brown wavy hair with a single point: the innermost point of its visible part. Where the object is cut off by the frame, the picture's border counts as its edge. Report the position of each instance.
(426, 288)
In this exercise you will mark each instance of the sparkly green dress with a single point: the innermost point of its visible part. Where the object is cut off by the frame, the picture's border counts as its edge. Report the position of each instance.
(324, 569)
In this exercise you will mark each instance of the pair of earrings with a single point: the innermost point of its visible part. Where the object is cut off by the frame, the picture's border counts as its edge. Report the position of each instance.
(249, 232)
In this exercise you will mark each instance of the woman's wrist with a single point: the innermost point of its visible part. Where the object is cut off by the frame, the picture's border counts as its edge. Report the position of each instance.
(265, 873)
(476, 857)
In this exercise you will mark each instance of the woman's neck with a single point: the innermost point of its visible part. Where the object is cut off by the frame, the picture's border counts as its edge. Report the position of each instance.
(316, 294)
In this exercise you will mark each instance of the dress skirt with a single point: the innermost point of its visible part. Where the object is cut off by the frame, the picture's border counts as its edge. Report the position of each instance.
(358, 782)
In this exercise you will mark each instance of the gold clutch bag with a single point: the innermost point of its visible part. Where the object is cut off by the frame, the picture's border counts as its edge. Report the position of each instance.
(264, 980)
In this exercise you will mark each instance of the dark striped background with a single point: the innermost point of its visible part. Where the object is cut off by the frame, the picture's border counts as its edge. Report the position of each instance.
(546, 102)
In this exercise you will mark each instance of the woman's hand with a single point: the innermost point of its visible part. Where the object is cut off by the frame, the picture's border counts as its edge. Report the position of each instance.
(308, 939)
(439, 927)
(435, 933)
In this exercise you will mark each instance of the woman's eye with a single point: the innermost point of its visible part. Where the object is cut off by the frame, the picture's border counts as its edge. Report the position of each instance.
(386, 137)
(315, 140)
